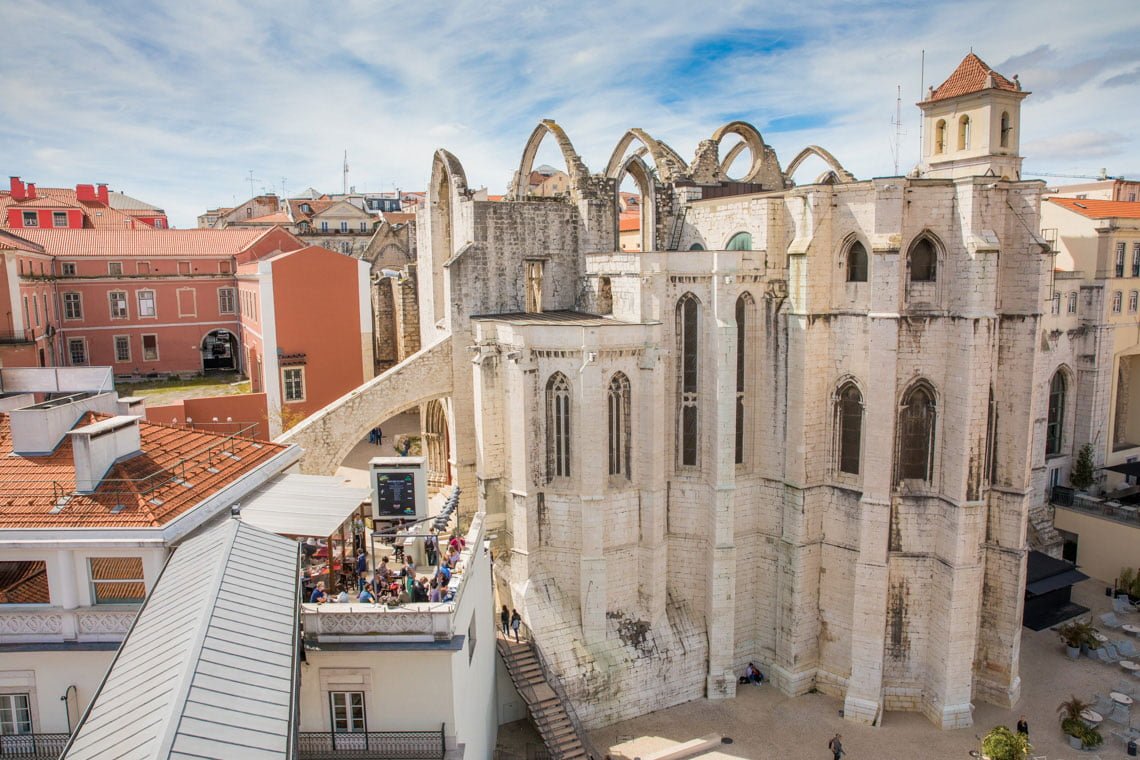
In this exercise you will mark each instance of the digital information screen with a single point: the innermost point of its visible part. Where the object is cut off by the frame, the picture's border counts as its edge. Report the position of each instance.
(396, 494)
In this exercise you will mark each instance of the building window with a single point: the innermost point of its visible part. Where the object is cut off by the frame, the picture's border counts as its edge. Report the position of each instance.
(25, 582)
(36, 308)
(364, 226)
(248, 212)
(115, 268)
(688, 324)
(991, 439)
(77, 351)
(293, 379)
(142, 267)
(146, 303)
(324, 226)
(150, 347)
(59, 219)
(68, 269)
(15, 715)
(118, 300)
(916, 434)
(849, 427)
(741, 241)
(940, 137)
(27, 313)
(534, 275)
(1132, 302)
(1005, 129)
(743, 306)
(1136, 259)
(347, 711)
(72, 306)
(557, 427)
(856, 263)
(122, 348)
(923, 262)
(964, 133)
(1116, 301)
(618, 404)
(1054, 434)
(31, 219)
(1072, 306)
(1120, 259)
(226, 300)
(1055, 306)
(344, 226)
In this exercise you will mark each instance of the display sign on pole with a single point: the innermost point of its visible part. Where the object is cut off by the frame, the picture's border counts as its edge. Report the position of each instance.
(399, 488)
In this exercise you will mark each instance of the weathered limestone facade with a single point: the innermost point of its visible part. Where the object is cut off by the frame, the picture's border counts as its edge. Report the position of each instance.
(805, 446)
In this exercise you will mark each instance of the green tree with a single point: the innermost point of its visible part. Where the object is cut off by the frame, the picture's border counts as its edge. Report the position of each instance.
(1084, 472)
(1002, 744)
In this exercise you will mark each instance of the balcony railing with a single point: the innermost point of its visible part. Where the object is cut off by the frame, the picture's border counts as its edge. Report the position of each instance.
(35, 746)
(372, 745)
(1129, 514)
(16, 336)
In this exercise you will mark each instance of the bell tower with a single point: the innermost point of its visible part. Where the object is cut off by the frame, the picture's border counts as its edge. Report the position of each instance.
(972, 124)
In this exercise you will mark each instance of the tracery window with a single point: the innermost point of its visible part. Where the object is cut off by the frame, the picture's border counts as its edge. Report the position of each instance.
(688, 323)
(1054, 429)
(849, 427)
(923, 262)
(557, 427)
(857, 263)
(917, 419)
(618, 406)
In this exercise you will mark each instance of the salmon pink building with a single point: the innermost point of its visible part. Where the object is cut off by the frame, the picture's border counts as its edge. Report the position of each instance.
(24, 206)
(306, 329)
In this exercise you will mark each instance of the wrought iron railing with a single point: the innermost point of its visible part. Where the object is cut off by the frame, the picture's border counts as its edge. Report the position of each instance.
(35, 746)
(372, 745)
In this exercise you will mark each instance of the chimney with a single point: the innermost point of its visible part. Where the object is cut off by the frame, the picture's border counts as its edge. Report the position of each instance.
(102, 194)
(37, 430)
(18, 192)
(96, 447)
(31, 191)
(85, 193)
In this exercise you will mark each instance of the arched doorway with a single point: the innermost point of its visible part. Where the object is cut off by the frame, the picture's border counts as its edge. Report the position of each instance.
(219, 351)
(437, 444)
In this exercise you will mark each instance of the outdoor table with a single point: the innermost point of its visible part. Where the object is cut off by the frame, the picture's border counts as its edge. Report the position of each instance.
(1130, 666)
(1091, 717)
(1133, 629)
(1120, 699)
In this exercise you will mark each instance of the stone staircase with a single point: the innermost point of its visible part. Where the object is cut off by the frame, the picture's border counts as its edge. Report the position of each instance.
(1042, 535)
(555, 724)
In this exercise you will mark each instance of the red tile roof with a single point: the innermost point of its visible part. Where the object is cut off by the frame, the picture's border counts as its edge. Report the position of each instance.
(96, 215)
(279, 217)
(24, 583)
(972, 75)
(629, 222)
(177, 469)
(1094, 209)
(11, 241)
(144, 243)
(316, 206)
(398, 217)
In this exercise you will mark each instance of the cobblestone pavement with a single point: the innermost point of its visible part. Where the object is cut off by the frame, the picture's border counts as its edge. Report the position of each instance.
(766, 724)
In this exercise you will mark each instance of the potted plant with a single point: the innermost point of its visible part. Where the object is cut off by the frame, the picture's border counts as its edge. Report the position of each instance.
(1075, 635)
(1002, 744)
(1071, 723)
(1125, 581)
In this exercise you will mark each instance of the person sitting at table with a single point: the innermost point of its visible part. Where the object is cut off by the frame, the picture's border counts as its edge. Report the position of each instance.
(457, 542)
(443, 574)
(452, 557)
(319, 596)
(434, 595)
(421, 589)
(366, 596)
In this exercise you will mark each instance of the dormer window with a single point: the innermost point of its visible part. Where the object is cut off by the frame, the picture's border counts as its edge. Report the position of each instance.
(31, 219)
(306, 208)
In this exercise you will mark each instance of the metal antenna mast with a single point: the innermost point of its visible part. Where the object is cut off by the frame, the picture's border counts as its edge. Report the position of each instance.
(251, 181)
(897, 121)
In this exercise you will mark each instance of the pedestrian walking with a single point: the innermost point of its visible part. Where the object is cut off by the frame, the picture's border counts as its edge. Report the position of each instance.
(836, 747)
(505, 619)
(1023, 726)
(516, 621)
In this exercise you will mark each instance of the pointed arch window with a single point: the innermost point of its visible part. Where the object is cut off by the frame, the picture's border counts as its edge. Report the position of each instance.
(618, 405)
(923, 262)
(557, 427)
(743, 305)
(857, 263)
(688, 325)
(917, 419)
(849, 427)
(741, 241)
(1054, 428)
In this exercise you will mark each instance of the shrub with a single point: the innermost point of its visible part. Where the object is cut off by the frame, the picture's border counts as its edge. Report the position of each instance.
(1002, 744)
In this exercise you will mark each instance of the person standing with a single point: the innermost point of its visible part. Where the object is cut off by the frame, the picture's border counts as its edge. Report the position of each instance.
(505, 619)
(836, 747)
(1023, 726)
(516, 621)
(431, 547)
(361, 569)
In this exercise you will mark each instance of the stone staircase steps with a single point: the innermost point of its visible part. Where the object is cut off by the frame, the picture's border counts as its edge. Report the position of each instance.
(546, 710)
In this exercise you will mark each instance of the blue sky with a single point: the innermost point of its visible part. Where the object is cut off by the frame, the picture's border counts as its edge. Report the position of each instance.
(175, 102)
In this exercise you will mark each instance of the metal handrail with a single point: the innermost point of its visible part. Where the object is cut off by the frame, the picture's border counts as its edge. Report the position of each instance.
(556, 684)
(35, 746)
(372, 745)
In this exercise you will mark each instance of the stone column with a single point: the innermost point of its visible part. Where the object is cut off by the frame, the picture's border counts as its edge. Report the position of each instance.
(591, 462)
(650, 438)
(64, 590)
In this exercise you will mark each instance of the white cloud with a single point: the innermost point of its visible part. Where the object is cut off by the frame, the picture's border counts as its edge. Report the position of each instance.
(176, 102)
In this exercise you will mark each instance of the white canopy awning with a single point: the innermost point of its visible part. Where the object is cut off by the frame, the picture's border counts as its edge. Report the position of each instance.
(302, 505)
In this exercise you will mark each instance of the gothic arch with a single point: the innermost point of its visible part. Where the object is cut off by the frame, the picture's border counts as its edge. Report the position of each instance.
(447, 188)
(841, 174)
(447, 172)
(936, 249)
(575, 167)
(637, 168)
(765, 168)
(437, 440)
(670, 166)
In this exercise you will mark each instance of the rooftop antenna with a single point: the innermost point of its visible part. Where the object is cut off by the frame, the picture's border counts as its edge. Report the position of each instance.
(897, 122)
(282, 187)
(921, 97)
(251, 181)
(344, 184)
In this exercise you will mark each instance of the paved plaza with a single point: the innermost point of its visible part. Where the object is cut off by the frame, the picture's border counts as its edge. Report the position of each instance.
(763, 723)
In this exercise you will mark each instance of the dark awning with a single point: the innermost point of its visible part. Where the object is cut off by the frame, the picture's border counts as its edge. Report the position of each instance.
(1131, 469)
(1044, 574)
(1055, 582)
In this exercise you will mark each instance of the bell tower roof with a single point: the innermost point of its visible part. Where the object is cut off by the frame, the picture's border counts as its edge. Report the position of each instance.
(972, 75)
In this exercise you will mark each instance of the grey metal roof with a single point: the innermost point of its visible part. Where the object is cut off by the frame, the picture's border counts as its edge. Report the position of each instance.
(302, 505)
(209, 667)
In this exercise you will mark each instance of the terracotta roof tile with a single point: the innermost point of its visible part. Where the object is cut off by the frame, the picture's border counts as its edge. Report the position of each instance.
(1094, 209)
(24, 582)
(279, 217)
(177, 469)
(145, 243)
(972, 75)
(398, 217)
(629, 222)
(97, 216)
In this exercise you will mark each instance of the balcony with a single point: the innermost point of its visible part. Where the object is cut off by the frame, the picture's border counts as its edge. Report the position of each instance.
(1110, 509)
(33, 746)
(39, 624)
(9, 337)
(372, 745)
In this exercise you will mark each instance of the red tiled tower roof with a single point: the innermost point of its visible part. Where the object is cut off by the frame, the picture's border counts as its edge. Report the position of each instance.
(972, 75)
